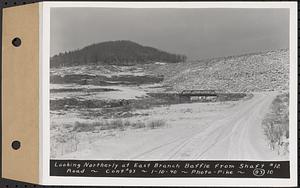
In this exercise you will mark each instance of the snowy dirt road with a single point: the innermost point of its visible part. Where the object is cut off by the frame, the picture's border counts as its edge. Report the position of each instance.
(233, 133)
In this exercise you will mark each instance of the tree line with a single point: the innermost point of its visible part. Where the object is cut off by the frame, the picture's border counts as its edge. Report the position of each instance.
(114, 53)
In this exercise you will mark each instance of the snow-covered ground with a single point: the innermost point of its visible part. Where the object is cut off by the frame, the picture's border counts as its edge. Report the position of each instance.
(221, 131)
(104, 70)
(229, 130)
(121, 92)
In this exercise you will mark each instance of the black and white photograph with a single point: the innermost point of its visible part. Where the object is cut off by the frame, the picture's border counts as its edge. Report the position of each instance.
(169, 84)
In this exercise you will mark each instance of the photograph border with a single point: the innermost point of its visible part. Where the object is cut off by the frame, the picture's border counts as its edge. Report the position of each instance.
(45, 177)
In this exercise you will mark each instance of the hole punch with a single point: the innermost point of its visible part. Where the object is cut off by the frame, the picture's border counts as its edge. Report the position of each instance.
(17, 42)
(16, 145)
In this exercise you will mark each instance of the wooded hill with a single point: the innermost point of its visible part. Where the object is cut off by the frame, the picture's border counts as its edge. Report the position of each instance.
(114, 53)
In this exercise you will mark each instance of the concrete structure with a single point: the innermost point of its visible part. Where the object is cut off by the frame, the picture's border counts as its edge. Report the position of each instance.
(198, 95)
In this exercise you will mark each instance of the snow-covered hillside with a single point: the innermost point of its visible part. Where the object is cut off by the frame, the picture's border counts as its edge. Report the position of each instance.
(265, 71)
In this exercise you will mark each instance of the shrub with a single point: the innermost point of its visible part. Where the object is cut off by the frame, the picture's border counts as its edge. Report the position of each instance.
(116, 124)
(276, 124)
(138, 125)
(153, 124)
(127, 123)
(83, 127)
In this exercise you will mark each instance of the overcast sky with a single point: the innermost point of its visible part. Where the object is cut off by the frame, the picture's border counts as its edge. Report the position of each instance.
(197, 33)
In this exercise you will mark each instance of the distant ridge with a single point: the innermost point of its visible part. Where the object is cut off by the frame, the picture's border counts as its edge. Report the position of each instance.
(121, 52)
